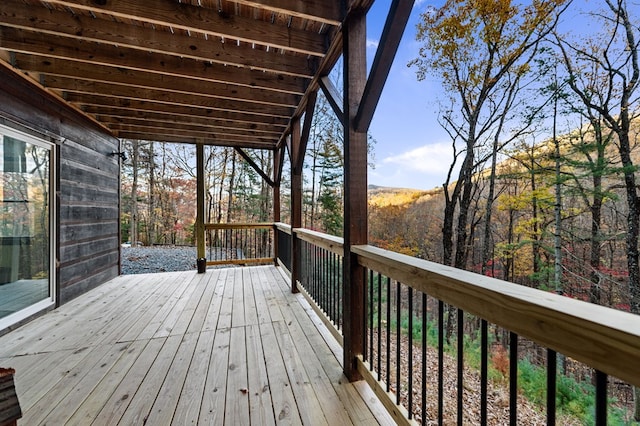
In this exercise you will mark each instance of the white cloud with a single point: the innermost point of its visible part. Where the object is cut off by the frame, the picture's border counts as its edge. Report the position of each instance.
(424, 167)
(433, 159)
(372, 43)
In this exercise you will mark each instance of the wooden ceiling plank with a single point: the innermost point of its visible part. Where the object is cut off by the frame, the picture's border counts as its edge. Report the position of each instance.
(109, 55)
(120, 91)
(85, 100)
(105, 74)
(131, 117)
(191, 133)
(187, 139)
(327, 11)
(114, 123)
(206, 21)
(111, 121)
(51, 22)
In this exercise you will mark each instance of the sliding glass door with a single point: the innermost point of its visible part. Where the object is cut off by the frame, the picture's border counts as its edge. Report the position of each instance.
(26, 231)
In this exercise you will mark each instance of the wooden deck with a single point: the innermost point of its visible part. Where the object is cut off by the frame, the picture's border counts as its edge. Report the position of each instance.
(232, 346)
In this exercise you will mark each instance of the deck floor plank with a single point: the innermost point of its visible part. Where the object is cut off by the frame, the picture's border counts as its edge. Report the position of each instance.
(213, 399)
(237, 397)
(115, 405)
(188, 408)
(165, 404)
(232, 346)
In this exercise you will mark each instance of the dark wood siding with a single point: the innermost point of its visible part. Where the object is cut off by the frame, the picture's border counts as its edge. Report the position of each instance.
(88, 182)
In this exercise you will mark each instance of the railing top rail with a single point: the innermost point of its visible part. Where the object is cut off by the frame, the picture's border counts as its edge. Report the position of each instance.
(259, 225)
(603, 338)
(283, 227)
(328, 242)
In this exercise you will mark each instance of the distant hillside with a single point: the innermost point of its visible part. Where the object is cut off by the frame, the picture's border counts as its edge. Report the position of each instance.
(382, 196)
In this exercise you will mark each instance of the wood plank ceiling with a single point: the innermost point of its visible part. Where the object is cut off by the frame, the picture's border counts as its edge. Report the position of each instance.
(218, 72)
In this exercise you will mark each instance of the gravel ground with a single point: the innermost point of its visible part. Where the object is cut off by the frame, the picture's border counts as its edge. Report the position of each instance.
(142, 260)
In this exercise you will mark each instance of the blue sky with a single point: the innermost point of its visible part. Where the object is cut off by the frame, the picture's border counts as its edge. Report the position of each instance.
(412, 149)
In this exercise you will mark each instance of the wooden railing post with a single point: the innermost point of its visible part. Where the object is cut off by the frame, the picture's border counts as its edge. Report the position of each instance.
(355, 185)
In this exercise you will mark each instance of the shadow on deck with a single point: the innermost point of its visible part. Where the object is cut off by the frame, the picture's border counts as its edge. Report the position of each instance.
(232, 346)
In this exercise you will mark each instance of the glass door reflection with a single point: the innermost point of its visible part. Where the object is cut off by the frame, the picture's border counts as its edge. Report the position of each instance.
(25, 223)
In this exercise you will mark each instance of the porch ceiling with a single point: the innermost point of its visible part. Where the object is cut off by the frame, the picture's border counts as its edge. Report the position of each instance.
(218, 72)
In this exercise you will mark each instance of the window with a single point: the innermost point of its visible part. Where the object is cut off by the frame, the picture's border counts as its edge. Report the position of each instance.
(26, 231)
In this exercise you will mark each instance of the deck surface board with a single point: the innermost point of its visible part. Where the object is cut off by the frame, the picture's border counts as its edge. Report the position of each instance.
(232, 346)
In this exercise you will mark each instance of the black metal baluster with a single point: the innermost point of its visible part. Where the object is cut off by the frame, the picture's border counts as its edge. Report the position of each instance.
(484, 370)
(440, 362)
(324, 283)
(388, 334)
(332, 286)
(398, 342)
(552, 371)
(424, 358)
(379, 325)
(513, 378)
(460, 367)
(370, 319)
(410, 354)
(601, 398)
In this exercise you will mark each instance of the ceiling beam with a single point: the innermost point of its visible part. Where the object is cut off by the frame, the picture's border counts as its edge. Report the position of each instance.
(51, 22)
(387, 47)
(29, 42)
(207, 21)
(106, 74)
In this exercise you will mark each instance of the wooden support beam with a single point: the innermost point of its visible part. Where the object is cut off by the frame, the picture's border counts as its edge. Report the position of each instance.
(391, 35)
(278, 164)
(200, 234)
(306, 128)
(355, 186)
(333, 96)
(278, 159)
(255, 166)
(296, 204)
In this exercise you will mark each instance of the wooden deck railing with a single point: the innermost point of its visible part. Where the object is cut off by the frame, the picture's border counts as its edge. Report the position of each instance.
(239, 243)
(406, 296)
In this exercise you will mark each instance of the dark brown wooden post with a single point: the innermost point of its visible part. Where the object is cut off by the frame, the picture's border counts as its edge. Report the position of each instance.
(277, 167)
(296, 203)
(355, 185)
(201, 259)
